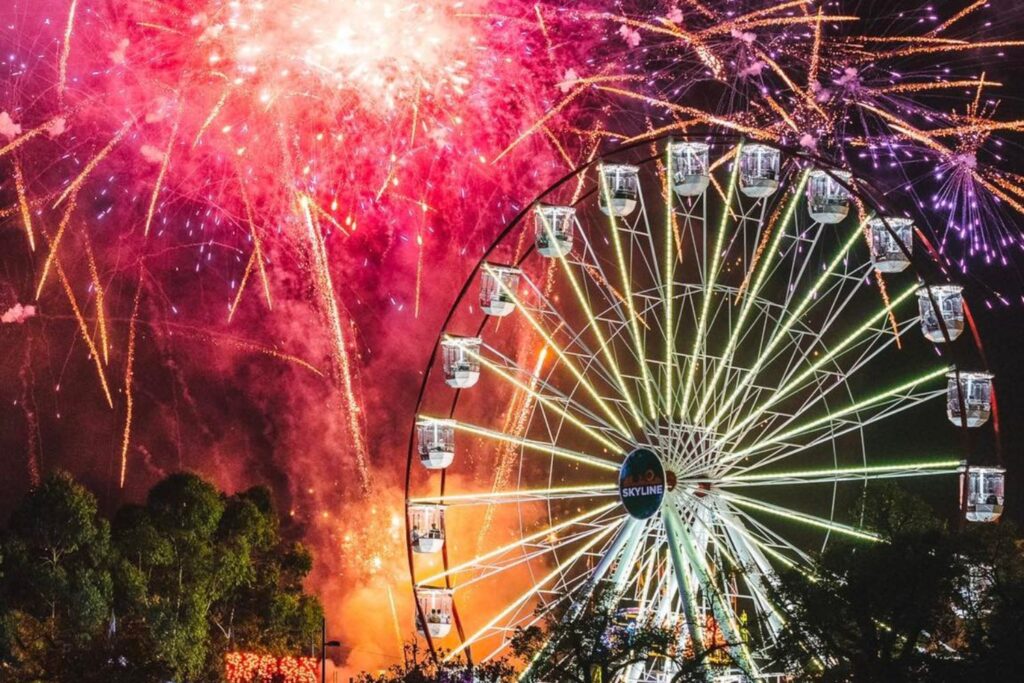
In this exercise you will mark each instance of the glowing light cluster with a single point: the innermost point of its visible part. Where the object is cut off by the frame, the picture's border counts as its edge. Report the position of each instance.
(244, 667)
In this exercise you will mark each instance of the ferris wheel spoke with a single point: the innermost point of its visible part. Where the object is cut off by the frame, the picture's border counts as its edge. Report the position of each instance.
(756, 570)
(675, 534)
(803, 517)
(603, 345)
(531, 444)
(843, 474)
(566, 360)
(701, 331)
(522, 495)
(783, 451)
(631, 314)
(575, 345)
(815, 390)
(554, 405)
(475, 562)
(781, 333)
(725, 618)
(770, 542)
(667, 284)
(762, 266)
(532, 591)
(535, 552)
(901, 392)
(790, 383)
(801, 344)
(554, 396)
(528, 620)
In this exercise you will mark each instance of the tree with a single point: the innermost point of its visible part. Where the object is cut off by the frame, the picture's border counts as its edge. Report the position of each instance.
(208, 574)
(422, 667)
(595, 641)
(880, 611)
(162, 594)
(56, 586)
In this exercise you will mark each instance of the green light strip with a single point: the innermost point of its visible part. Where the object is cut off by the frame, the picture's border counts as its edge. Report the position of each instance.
(796, 431)
(871, 469)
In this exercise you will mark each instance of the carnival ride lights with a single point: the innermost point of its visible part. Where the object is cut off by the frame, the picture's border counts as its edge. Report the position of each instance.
(718, 334)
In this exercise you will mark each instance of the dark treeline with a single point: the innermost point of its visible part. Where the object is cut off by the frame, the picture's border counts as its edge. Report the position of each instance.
(158, 593)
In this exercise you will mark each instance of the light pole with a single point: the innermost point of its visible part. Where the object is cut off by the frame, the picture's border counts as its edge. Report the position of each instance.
(324, 644)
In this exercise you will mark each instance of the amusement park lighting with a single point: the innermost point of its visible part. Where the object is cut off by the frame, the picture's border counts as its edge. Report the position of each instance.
(602, 342)
(564, 358)
(841, 346)
(706, 304)
(750, 297)
(801, 429)
(630, 306)
(780, 334)
(943, 467)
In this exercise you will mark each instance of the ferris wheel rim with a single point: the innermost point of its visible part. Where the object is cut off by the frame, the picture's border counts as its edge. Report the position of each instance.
(862, 191)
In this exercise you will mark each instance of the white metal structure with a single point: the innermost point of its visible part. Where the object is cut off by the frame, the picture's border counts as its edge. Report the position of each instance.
(828, 200)
(753, 352)
(426, 528)
(618, 189)
(759, 171)
(554, 228)
(435, 443)
(690, 175)
(984, 488)
(435, 604)
(941, 306)
(974, 390)
(461, 361)
(885, 236)
(497, 289)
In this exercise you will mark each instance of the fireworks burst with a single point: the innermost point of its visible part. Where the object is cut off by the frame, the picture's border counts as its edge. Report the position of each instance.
(184, 183)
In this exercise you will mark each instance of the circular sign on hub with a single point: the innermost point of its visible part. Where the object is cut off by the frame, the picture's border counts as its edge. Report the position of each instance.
(642, 483)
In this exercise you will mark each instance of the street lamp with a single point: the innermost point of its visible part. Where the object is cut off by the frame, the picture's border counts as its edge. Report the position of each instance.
(324, 644)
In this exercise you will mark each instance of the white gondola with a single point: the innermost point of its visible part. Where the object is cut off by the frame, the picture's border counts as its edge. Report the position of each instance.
(497, 286)
(461, 361)
(828, 200)
(886, 254)
(553, 227)
(985, 490)
(426, 528)
(759, 170)
(436, 607)
(950, 303)
(689, 162)
(618, 188)
(435, 442)
(976, 390)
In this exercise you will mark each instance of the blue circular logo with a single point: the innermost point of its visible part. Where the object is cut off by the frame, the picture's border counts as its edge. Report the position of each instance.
(642, 483)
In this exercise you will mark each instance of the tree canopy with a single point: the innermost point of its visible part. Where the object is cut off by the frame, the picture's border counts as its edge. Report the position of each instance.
(161, 593)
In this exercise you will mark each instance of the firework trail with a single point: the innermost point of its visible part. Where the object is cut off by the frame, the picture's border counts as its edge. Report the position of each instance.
(331, 155)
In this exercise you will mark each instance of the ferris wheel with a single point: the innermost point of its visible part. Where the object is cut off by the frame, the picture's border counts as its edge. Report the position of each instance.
(671, 376)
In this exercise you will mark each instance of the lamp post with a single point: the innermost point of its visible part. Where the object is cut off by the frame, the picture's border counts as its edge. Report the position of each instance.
(324, 644)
